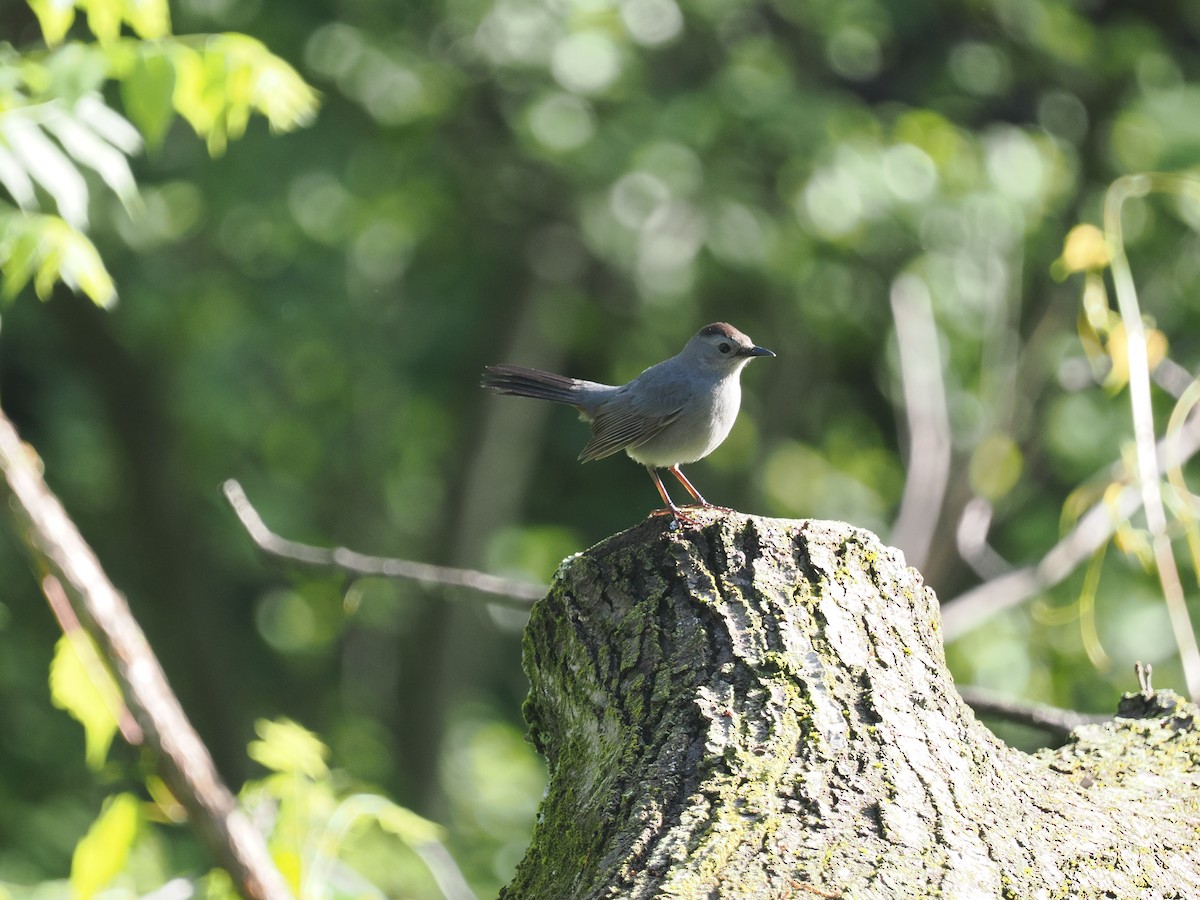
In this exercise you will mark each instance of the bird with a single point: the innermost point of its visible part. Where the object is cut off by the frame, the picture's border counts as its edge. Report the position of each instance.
(672, 414)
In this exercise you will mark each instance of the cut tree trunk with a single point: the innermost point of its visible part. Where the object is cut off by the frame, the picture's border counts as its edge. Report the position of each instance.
(761, 708)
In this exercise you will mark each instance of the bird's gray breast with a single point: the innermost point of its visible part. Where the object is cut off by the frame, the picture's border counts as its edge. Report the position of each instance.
(707, 410)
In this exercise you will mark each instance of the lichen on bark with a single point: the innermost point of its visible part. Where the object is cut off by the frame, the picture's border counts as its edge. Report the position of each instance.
(761, 708)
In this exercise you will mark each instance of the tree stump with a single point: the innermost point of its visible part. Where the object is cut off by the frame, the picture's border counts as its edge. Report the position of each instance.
(761, 708)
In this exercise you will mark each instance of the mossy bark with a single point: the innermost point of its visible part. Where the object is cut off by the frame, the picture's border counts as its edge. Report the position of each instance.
(761, 708)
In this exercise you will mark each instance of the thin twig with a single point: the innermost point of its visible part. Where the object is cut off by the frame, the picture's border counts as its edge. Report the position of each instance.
(928, 421)
(1143, 417)
(511, 592)
(973, 607)
(56, 548)
(970, 537)
(1058, 722)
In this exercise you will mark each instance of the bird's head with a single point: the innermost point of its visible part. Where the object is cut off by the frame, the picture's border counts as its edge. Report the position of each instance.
(722, 347)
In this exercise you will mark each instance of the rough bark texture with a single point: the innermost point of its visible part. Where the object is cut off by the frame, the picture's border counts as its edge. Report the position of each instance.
(761, 708)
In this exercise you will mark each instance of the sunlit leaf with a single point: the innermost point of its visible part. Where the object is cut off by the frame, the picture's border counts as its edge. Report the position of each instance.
(16, 180)
(217, 89)
(1087, 611)
(104, 850)
(408, 826)
(88, 149)
(290, 865)
(108, 123)
(46, 250)
(104, 18)
(148, 18)
(1100, 315)
(287, 747)
(166, 806)
(47, 165)
(1084, 250)
(87, 691)
(55, 17)
(147, 92)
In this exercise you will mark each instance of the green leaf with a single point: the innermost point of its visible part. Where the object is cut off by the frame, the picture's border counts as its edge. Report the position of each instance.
(147, 92)
(411, 828)
(104, 850)
(16, 180)
(87, 691)
(219, 87)
(47, 250)
(104, 18)
(289, 748)
(46, 164)
(87, 148)
(55, 17)
(149, 19)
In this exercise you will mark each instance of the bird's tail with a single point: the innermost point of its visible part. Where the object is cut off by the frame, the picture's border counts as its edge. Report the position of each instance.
(525, 382)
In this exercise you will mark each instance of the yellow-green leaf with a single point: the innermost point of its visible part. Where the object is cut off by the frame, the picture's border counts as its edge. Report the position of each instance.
(287, 747)
(408, 826)
(47, 250)
(55, 17)
(104, 850)
(147, 91)
(87, 691)
(233, 76)
(104, 18)
(1084, 250)
(149, 19)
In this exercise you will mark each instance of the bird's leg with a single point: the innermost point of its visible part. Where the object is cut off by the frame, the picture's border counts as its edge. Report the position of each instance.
(672, 509)
(675, 470)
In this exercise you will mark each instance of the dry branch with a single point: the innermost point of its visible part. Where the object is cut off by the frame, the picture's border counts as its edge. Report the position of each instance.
(508, 591)
(64, 562)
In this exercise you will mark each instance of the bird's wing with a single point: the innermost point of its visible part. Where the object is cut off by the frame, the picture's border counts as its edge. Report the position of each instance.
(614, 431)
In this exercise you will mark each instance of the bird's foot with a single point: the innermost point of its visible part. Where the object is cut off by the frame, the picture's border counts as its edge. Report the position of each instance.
(681, 518)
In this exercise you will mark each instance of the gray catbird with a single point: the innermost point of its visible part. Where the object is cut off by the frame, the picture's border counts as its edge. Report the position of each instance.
(676, 412)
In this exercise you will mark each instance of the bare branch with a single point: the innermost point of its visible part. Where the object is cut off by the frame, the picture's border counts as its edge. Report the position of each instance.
(971, 539)
(973, 607)
(1058, 722)
(510, 591)
(928, 420)
(64, 560)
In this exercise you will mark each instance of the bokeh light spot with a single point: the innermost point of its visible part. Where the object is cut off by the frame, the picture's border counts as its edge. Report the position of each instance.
(652, 22)
(285, 621)
(561, 122)
(636, 197)
(854, 53)
(909, 172)
(980, 68)
(832, 202)
(586, 63)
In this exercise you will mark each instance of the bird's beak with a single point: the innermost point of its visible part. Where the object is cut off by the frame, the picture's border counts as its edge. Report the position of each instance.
(755, 351)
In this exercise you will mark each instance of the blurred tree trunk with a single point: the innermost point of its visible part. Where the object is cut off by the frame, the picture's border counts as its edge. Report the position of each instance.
(761, 708)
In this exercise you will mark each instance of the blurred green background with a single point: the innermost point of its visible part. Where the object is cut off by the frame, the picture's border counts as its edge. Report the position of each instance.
(579, 185)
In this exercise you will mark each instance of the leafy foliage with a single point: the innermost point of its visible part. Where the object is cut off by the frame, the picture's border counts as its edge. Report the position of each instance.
(102, 854)
(82, 685)
(148, 18)
(55, 124)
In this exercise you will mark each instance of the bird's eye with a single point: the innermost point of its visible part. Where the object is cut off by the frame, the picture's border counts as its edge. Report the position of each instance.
(724, 348)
